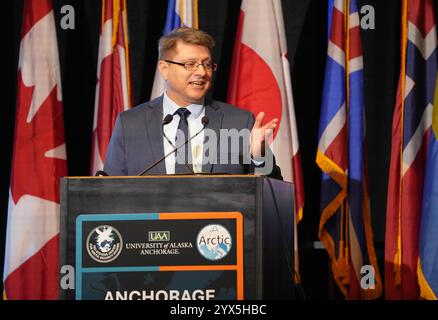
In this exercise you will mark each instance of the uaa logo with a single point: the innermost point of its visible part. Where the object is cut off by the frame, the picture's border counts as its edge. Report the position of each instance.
(104, 243)
(214, 242)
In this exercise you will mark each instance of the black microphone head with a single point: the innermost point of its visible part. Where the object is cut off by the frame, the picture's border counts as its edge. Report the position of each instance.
(101, 173)
(167, 119)
(205, 120)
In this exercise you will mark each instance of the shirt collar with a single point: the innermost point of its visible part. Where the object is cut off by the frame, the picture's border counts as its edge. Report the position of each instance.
(170, 107)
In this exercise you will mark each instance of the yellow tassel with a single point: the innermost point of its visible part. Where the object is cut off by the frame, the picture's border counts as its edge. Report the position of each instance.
(344, 272)
(426, 290)
(397, 269)
(297, 278)
(116, 16)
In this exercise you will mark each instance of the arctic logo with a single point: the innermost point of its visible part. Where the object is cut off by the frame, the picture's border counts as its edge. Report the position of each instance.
(104, 244)
(214, 242)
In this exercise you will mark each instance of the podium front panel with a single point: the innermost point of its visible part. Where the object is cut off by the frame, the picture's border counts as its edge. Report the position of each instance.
(89, 198)
(159, 256)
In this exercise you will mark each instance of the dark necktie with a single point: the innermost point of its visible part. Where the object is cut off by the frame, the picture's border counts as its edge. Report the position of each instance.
(182, 154)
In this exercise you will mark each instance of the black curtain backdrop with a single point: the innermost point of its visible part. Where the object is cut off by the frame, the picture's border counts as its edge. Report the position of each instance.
(306, 30)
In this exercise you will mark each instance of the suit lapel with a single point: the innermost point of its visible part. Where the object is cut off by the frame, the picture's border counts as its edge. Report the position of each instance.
(154, 118)
(215, 116)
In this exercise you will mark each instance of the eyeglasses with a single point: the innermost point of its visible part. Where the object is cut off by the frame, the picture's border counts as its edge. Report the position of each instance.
(192, 66)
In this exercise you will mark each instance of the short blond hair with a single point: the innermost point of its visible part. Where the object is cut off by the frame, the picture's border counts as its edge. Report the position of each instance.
(188, 35)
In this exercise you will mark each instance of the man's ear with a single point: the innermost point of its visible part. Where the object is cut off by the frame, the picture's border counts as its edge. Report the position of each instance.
(163, 67)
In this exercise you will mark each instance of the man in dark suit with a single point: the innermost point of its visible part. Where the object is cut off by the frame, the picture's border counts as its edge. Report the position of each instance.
(143, 135)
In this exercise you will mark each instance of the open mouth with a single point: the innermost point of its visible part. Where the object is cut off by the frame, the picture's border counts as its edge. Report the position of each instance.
(197, 83)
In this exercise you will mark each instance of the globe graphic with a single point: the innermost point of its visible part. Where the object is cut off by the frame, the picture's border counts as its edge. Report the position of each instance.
(214, 248)
(104, 246)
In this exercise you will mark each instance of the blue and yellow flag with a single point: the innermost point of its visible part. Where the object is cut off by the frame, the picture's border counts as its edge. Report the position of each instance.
(428, 246)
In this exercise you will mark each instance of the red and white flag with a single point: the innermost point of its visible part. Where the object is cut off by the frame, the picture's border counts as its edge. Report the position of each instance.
(411, 128)
(113, 89)
(39, 160)
(260, 81)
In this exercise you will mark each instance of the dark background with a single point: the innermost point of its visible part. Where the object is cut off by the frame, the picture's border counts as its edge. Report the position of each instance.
(306, 30)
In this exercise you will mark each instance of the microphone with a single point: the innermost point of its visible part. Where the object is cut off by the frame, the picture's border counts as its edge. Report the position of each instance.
(101, 173)
(205, 121)
(167, 119)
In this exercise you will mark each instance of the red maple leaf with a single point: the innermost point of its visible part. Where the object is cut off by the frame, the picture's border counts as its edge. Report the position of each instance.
(32, 172)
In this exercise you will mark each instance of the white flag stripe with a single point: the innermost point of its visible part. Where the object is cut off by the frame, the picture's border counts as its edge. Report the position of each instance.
(290, 111)
(336, 53)
(426, 45)
(31, 223)
(124, 75)
(96, 105)
(105, 49)
(333, 129)
(339, 4)
(188, 13)
(411, 150)
(356, 64)
(43, 74)
(105, 44)
(354, 20)
(409, 85)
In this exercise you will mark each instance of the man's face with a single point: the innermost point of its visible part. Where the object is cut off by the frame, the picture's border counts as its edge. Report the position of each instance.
(183, 86)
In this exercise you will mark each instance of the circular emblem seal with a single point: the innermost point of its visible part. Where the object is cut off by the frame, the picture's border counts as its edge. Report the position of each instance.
(214, 242)
(104, 243)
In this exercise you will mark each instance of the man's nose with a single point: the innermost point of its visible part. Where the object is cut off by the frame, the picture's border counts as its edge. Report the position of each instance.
(200, 70)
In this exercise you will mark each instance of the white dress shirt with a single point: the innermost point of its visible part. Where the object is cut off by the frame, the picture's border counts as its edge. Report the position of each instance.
(197, 111)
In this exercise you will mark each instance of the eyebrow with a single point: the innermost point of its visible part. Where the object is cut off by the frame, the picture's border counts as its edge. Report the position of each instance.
(194, 59)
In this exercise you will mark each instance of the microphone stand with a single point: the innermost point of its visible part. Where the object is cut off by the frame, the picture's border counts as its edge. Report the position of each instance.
(167, 120)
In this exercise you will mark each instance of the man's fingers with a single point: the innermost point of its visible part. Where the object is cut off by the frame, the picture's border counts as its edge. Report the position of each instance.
(271, 124)
(261, 133)
(259, 120)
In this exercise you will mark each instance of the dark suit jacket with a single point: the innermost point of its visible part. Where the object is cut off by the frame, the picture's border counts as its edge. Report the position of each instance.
(137, 140)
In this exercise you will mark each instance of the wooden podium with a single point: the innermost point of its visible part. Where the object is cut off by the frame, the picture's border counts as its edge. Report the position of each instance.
(215, 236)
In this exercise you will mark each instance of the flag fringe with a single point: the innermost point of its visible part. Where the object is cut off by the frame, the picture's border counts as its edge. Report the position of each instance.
(115, 16)
(337, 270)
(299, 215)
(337, 174)
(377, 292)
(426, 290)
(331, 169)
(404, 39)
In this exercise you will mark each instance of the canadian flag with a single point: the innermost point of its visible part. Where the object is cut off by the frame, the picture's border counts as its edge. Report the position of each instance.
(113, 89)
(260, 81)
(39, 160)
